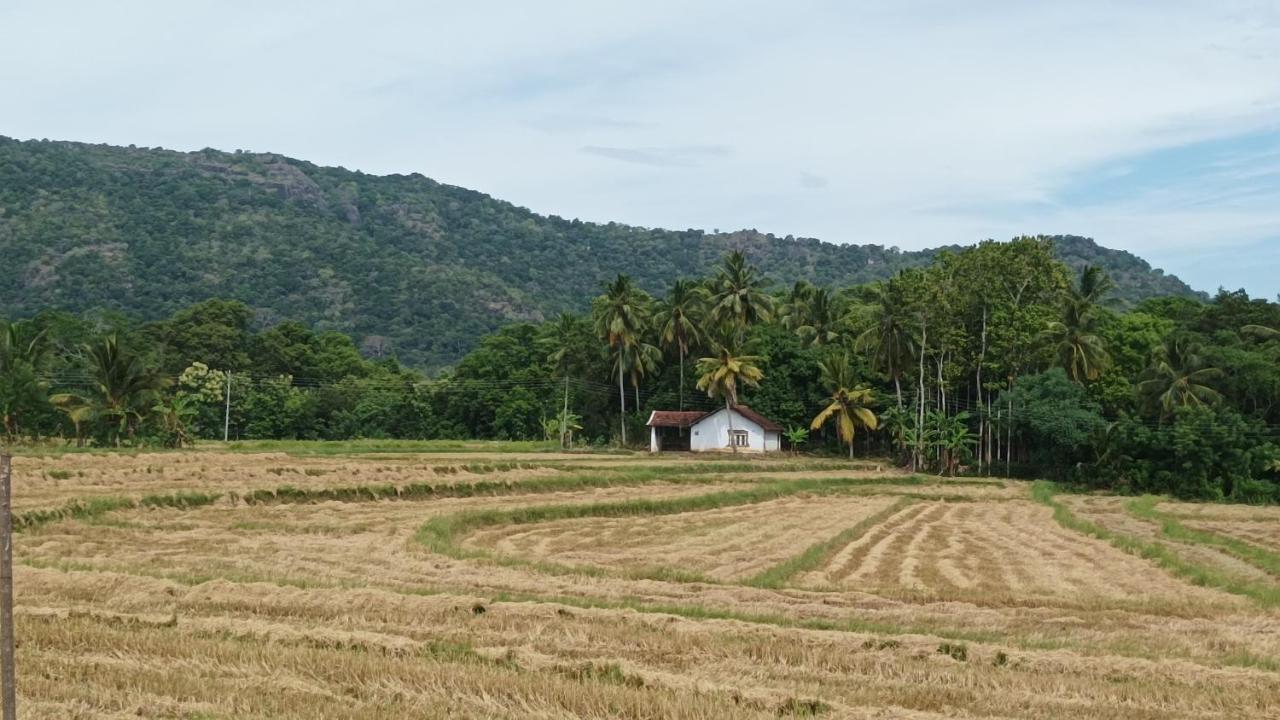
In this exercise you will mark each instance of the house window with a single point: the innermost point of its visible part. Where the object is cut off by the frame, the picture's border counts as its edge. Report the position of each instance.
(738, 438)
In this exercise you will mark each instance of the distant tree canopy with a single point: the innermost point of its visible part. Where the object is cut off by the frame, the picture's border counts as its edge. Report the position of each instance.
(423, 268)
(995, 359)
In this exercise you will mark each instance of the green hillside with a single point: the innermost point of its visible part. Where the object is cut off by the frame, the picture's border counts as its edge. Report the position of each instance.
(422, 267)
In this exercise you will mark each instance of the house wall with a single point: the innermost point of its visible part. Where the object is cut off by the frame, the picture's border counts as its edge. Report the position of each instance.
(772, 441)
(712, 433)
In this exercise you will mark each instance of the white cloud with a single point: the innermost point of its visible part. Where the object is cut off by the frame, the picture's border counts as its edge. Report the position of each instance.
(910, 124)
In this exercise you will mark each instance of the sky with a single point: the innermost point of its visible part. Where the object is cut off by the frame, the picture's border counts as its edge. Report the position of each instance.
(1152, 127)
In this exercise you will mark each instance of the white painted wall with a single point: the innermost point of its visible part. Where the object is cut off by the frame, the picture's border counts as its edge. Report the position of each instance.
(772, 440)
(712, 433)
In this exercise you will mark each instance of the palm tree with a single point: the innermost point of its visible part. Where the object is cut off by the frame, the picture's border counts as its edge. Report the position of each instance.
(887, 336)
(820, 319)
(78, 410)
(22, 348)
(620, 317)
(1179, 377)
(1093, 287)
(738, 298)
(720, 374)
(1262, 332)
(791, 312)
(639, 360)
(678, 318)
(1079, 350)
(124, 386)
(561, 342)
(848, 403)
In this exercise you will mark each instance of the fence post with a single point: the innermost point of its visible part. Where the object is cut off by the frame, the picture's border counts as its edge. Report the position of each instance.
(10, 701)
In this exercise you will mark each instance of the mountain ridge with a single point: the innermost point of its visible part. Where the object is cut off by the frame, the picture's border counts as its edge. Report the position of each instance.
(423, 266)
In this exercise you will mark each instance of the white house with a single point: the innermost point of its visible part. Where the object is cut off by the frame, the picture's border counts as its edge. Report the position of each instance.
(701, 432)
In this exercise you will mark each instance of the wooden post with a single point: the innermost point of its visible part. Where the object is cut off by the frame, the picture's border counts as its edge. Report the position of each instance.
(10, 701)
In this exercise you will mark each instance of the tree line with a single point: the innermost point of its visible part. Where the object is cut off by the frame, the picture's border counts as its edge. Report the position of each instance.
(993, 359)
(428, 267)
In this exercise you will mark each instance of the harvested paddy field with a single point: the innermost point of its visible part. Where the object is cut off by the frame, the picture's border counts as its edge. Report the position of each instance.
(239, 584)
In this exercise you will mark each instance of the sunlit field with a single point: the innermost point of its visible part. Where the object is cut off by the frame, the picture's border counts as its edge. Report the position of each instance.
(395, 580)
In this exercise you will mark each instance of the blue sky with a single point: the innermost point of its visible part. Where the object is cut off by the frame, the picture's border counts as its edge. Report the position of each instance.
(1152, 127)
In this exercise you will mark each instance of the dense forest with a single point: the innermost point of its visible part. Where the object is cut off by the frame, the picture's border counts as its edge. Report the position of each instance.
(996, 359)
(401, 263)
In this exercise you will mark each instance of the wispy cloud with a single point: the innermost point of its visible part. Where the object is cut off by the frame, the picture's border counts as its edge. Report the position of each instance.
(684, 156)
(915, 123)
(810, 181)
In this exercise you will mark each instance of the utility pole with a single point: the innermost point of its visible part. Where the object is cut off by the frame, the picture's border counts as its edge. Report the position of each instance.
(10, 699)
(226, 418)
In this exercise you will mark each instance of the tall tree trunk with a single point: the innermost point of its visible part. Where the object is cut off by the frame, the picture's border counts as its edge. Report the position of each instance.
(729, 414)
(989, 428)
(1008, 451)
(917, 455)
(564, 414)
(942, 390)
(682, 377)
(995, 434)
(622, 402)
(983, 445)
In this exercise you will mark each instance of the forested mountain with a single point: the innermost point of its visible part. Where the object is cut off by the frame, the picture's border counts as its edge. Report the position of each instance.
(410, 265)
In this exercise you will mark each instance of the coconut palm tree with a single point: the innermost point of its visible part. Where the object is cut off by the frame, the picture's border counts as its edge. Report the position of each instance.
(1092, 289)
(738, 298)
(720, 374)
(1079, 350)
(1179, 377)
(639, 360)
(123, 386)
(848, 403)
(887, 336)
(678, 321)
(620, 316)
(792, 310)
(821, 319)
(1262, 332)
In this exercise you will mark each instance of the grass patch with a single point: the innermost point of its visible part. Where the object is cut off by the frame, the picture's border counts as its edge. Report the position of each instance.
(1145, 508)
(955, 651)
(1264, 595)
(818, 553)
(694, 474)
(92, 509)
